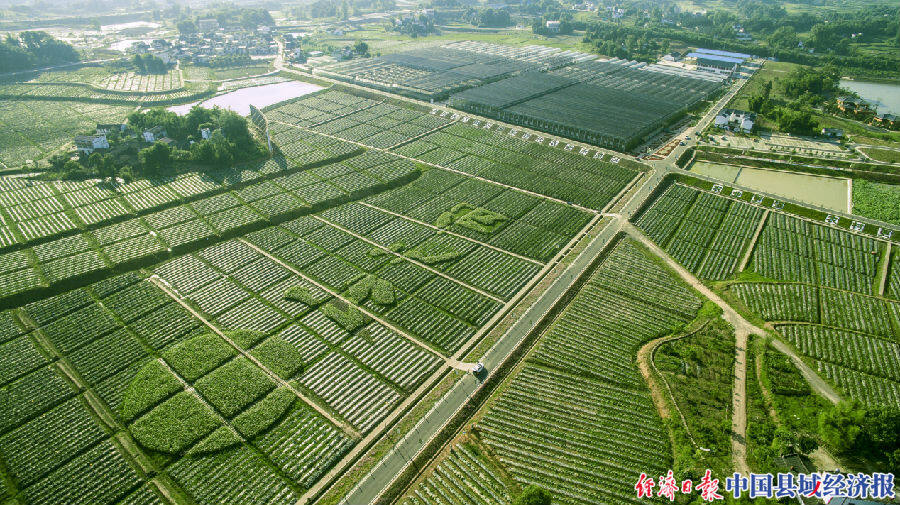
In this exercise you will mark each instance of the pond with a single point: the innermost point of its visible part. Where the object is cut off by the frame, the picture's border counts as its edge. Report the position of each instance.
(259, 96)
(885, 95)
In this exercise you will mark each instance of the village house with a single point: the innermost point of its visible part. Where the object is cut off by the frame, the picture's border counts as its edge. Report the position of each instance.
(103, 129)
(735, 120)
(89, 143)
(852, 105)
(885, 120)
(154, 134)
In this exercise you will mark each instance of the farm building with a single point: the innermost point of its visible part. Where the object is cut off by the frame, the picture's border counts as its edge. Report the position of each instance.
(154, 134)
(735, 120)
(90, 143)
(724, 65)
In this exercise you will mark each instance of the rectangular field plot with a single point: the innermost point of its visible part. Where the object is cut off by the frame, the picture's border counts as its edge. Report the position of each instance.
(709, 235)
(531, 166)
(791, 249)
(357, 119)
(705, 233)
(521, 224)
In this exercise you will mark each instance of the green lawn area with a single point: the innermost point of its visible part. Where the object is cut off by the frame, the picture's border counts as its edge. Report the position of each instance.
(770, 70)
(886, 155)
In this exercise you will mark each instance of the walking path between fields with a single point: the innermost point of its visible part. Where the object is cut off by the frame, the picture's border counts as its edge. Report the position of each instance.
(742, 329)
(168, 290)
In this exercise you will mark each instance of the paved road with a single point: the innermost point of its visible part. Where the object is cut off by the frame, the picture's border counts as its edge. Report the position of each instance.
(399, 458)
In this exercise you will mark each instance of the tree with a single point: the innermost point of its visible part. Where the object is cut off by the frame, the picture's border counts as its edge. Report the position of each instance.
(154, 158)
(842, 426)
(361, 48)
(784, 37)
(34, 49)
(186, 27)
(533, 495)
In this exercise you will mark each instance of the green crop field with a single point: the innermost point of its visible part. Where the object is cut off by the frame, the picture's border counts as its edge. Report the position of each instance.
(260, 319)
(578, 404)
(265, 332)
(820, 286)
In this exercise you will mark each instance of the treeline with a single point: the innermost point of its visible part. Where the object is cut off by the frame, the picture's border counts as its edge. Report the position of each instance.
(341, 9)
(488, 18)
(34, 49)
(783, 46)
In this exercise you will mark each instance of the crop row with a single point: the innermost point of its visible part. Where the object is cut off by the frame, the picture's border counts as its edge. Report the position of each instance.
(869, 389)
(617, 309)
(582, 439)
(792, 249)
(830, 307)
(860, 352)
(461, 476)
(357, 396)
(130, 81)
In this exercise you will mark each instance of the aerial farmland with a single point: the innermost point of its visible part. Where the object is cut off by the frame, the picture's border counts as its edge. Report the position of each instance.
(248, 257)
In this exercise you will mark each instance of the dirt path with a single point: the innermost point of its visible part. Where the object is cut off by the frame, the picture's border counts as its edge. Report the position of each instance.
(742, 328)
(347, 428)
(645, 365)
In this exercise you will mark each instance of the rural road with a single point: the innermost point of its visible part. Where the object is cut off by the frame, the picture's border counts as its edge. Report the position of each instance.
(400, 456)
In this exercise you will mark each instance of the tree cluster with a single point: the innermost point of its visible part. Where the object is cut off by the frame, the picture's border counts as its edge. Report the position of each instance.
(34, 49)
(488, 18)
(230, 142)
(873, 433)
(148, 64)
(830, 35)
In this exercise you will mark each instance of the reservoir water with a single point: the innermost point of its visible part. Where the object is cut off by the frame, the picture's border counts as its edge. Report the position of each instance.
(885, 95)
